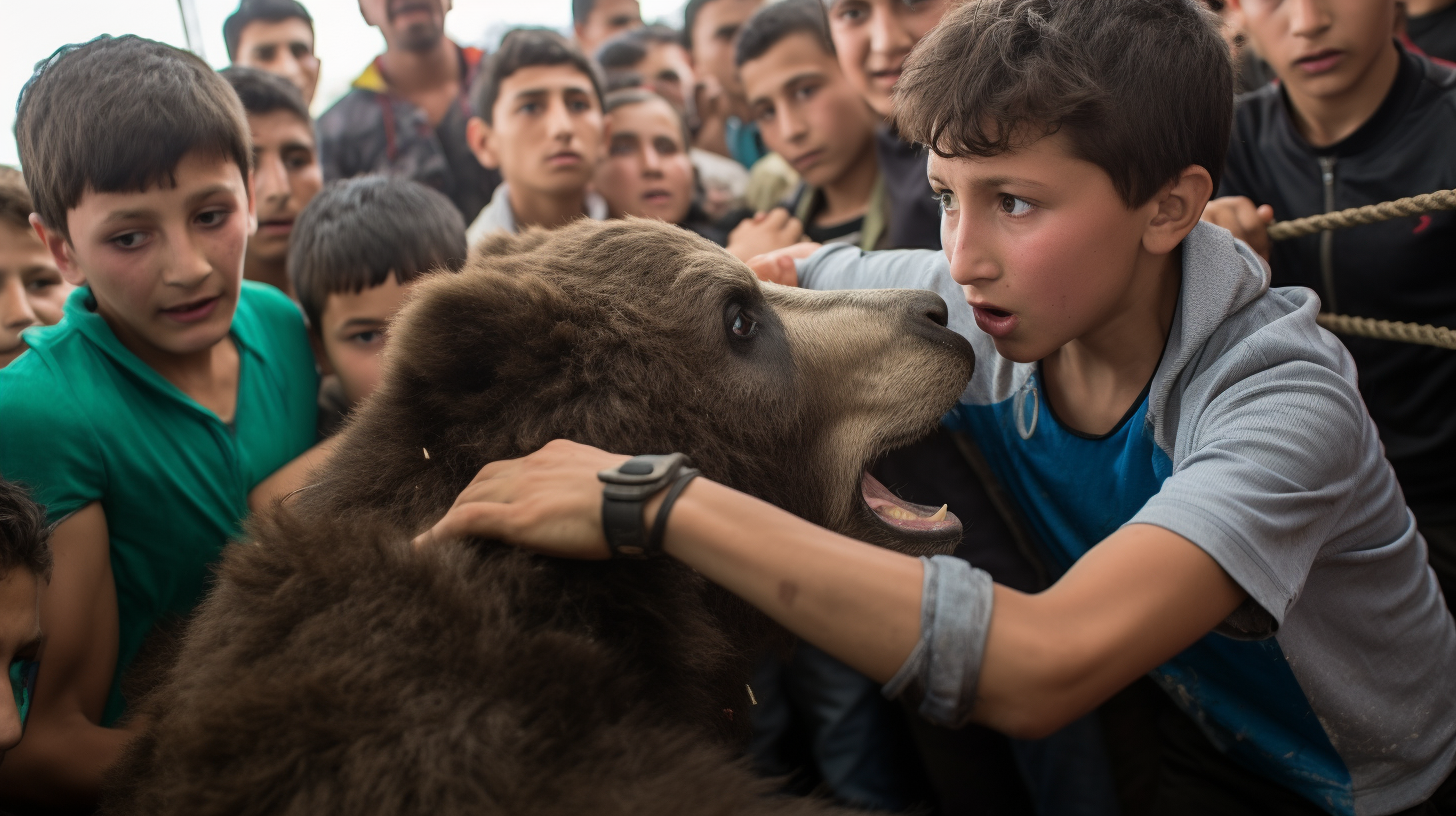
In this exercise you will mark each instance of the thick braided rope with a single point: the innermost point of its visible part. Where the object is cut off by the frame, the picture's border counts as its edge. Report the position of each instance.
(1369, 214)
(1423, 334)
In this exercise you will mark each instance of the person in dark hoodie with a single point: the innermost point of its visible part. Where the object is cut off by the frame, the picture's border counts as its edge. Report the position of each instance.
(1358, 119)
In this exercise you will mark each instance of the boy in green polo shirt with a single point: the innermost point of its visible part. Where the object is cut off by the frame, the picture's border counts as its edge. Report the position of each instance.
(170, 388)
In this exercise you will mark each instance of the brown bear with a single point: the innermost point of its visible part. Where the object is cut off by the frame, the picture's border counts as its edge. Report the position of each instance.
(336, 669)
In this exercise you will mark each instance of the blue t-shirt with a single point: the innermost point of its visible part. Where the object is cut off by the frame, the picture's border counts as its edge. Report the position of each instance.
(1077, 490)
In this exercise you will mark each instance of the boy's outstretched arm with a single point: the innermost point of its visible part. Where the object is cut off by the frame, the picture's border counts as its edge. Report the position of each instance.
(1140, 597)
(64, 752)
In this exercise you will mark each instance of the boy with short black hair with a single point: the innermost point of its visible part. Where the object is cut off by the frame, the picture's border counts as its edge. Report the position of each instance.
(286, 171)
(169, 390)
(810, 115)
(1357, 119)
(274, 36)
(32, 291)
(25, 567)
(358, 248)
(539, 122)
(1162, 415)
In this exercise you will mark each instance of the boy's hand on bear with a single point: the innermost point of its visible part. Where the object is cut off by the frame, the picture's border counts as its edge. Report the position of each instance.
(1248, 223)
(778, 266)
(764, 232)
(549, 502)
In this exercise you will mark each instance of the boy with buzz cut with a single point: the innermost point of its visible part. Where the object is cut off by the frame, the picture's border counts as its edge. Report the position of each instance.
(171, 388)
(808, 113)
(538, 120)
(359, 247)
(1164, 418)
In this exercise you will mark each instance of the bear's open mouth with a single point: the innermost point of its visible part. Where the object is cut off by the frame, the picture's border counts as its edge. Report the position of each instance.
(902, 515)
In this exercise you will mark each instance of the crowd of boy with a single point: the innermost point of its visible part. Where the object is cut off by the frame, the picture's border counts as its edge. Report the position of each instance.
(197, 279)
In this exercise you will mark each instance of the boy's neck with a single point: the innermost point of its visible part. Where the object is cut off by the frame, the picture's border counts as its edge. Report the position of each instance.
(209, 376)
(410, 72)
(1092, 381)
(848, 196)
(272, 271)
(536, 209)
(1323, 121)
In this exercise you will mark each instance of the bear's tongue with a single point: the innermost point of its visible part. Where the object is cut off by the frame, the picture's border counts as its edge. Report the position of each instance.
(897, 512)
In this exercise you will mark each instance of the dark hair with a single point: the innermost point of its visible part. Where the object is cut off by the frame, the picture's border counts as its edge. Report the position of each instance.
(117, 114)
(1143, 88)
(356, 233)
(774, 22)
(623, 97)
(630, 47)
(15, 205)
(24, 534)
(524, 48)
(250, 11)
(582, 9)
(263, 92)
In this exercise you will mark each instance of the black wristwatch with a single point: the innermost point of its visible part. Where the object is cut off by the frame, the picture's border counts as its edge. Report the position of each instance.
(626, 489)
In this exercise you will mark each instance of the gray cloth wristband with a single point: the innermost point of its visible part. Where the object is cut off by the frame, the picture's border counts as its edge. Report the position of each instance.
(940, 675)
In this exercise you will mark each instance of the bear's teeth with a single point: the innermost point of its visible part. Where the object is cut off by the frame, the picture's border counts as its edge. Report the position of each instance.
(939, 514)
(899, 513)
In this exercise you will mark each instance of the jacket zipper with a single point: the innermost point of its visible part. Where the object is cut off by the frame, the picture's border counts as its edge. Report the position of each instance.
(1327, 238)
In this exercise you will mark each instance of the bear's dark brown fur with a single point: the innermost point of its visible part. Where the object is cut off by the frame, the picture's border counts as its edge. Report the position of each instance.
(335, 669)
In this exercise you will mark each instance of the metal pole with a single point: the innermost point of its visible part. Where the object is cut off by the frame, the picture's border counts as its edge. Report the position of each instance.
(191, 29)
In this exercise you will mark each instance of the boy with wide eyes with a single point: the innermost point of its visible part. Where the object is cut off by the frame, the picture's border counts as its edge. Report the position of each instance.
(539, 122)
(32, 291)
(171, 388)
(1356, 119)
(1164, 418)
(274, 36)
(358, 248)
(872, 39)
(808, 113)
(286, 171)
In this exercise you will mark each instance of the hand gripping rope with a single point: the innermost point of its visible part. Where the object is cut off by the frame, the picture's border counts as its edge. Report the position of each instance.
(1363, 326)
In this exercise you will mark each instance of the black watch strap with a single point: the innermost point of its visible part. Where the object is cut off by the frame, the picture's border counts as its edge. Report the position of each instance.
(625, 491)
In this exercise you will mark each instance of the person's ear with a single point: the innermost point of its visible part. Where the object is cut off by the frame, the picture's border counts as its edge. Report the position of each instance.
(479, 136)
(61, 251)
(1177, 208)
(320, 355)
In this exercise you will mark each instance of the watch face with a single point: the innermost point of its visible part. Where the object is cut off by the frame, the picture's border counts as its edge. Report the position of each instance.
(22, 685)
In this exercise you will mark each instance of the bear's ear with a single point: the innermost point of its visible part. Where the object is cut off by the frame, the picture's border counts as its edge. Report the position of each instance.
(490, 324)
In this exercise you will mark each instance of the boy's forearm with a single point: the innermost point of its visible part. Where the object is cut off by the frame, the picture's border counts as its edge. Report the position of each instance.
(858, 602)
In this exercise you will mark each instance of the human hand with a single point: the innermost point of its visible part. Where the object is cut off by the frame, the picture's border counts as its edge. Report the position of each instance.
(764, 232)
(1248, 223)
(549, 502)
(778, 266)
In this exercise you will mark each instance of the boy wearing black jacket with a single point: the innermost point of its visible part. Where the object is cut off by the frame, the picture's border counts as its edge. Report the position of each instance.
(1355, 120)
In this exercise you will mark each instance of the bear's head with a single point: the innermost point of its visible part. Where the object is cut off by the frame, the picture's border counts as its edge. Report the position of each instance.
(640, 337)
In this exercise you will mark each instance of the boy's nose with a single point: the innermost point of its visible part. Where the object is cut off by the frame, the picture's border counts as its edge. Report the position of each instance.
(15, 310)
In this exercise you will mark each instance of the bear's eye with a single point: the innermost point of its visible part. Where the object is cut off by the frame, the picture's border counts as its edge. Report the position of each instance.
(743, 325)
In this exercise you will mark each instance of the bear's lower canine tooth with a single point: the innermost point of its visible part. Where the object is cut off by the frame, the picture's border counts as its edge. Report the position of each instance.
(939, 514)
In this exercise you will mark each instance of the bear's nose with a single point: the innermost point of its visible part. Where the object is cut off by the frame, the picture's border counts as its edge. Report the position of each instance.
(930, 305)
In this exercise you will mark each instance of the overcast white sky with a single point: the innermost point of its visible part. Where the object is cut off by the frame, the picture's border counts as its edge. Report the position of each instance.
(31, 29)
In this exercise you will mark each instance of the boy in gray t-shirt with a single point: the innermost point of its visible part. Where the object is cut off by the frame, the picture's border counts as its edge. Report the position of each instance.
(1188, 444)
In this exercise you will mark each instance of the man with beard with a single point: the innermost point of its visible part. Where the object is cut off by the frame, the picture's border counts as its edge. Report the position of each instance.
(406, 114)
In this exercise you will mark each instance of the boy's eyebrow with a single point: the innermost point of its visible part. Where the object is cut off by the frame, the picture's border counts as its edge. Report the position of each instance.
(994, 181)
(355, 322)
